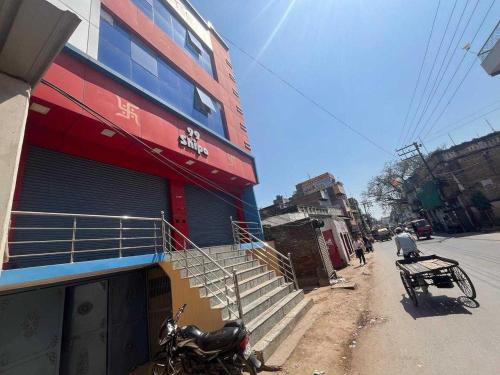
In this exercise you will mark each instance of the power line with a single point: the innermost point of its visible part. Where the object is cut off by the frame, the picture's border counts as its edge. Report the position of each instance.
(432, 68)
(419, 75)
(449, 127)
(451, 80)
(435, 85)
(177, 168)
(307, 97)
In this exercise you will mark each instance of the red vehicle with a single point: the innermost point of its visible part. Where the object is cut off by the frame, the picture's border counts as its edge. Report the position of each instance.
(422, 228)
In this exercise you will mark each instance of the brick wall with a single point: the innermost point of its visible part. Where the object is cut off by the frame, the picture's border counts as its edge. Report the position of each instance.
(302, 242)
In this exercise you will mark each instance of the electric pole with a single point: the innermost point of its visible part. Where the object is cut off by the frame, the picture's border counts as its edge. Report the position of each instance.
(413, 150)
(367, 204)
(489, 124)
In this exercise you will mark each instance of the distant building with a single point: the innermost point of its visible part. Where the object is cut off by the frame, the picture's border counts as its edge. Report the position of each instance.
(468, 193)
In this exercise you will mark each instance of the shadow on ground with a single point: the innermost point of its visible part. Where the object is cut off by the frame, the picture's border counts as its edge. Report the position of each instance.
(432, 306)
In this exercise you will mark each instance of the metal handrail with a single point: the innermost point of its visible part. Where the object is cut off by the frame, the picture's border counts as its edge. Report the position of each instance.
(203, 272)
(282, 262)
(161, 239)
(63, 214)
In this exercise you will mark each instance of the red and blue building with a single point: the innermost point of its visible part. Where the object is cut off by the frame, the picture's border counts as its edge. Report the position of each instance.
(139, 114)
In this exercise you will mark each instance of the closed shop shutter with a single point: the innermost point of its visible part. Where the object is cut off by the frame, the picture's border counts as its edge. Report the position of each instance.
(208, 216)
(57, 182)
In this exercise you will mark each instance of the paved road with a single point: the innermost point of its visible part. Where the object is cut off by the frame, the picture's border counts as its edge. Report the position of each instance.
(442, 335)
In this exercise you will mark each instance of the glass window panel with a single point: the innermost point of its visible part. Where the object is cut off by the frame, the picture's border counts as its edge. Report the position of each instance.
(168, 75)
(161, 10)
(144, 78)
(146, 6)
(194, 42)
(144, 57)
(179, 32)
(114, 58)
(205, 100)
(115, 35)
(165, 24)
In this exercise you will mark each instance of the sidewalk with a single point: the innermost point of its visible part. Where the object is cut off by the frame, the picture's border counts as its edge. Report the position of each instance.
(324, 339)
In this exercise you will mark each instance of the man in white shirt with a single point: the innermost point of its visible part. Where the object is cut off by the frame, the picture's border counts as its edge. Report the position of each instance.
(405, 242)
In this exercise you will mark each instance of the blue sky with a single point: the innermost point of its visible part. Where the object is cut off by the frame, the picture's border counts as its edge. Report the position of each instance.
(360, 60)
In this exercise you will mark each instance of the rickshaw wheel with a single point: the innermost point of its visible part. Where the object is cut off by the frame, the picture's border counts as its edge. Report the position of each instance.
(463, 281)
(409, 288)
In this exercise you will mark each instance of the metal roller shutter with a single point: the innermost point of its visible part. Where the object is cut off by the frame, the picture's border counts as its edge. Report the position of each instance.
(57, 182)
(208, 216)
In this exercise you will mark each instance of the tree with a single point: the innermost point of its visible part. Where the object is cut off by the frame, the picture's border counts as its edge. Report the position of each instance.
(388, 188)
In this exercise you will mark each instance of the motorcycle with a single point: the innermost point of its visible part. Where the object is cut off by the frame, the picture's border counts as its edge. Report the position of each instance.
(188, 350)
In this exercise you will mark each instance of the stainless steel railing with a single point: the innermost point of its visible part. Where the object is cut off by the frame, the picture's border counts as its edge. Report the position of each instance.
(51, 237)
(228, 295)
(245, 239)
(37, 238)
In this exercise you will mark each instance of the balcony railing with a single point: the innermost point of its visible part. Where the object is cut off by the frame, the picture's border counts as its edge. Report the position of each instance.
(490, 43)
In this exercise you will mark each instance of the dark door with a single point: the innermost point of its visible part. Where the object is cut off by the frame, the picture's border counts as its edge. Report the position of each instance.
(85, 329)
(128, 328)
(208, 215)
(30, 332)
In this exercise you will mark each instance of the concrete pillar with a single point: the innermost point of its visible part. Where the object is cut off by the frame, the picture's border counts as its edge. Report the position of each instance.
(14, 102)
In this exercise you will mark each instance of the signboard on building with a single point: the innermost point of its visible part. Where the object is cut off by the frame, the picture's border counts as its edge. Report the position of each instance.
(191, 140)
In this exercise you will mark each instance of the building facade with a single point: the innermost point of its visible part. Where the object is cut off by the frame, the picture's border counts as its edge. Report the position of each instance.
(138, 117)
(467, 195)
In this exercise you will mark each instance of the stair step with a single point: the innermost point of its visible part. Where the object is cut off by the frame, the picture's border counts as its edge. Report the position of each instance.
(244, 285)
(197, 277)
(241, 275)
(261, 298)
(195, 254)
(268, 344)
(269, 318)
(260, 305)
(210, 266)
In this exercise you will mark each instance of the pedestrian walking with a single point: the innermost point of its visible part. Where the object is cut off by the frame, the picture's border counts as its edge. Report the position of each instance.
(368, 244)
(359, 248)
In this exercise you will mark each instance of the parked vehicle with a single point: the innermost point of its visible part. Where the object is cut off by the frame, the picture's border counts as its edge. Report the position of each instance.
(382, 234)
(422, 228)
(188, 350)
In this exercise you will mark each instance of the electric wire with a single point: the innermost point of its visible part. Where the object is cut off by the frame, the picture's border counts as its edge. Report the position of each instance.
(445, 130)
(432, 69)
(402, 132)
(451, 80)
(435, 85)
(177, 168)
(307, 97)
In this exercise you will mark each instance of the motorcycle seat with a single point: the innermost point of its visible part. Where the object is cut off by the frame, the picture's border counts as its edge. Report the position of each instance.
(238, 323)
(222, 339)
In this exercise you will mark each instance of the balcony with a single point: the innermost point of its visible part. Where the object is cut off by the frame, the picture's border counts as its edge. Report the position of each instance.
(490, 53)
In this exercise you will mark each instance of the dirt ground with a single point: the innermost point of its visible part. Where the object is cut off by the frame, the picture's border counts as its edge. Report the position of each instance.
(326, 336)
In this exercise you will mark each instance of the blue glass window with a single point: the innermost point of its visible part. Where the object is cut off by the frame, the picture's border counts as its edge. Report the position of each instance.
(125, 54)
(175, 29)
(146, 6)
(142, 56)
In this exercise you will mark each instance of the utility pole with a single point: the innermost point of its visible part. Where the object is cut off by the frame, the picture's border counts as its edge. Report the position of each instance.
(489, 124)
(452, 141)
(367, 204)
(413, 150)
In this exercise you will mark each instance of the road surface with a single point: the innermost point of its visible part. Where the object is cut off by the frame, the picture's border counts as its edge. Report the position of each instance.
(442, 335)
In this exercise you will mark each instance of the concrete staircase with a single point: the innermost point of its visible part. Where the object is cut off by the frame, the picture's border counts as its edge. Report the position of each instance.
(271, 306)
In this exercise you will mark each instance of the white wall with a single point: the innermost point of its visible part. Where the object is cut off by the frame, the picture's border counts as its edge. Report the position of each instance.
(86, 36)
